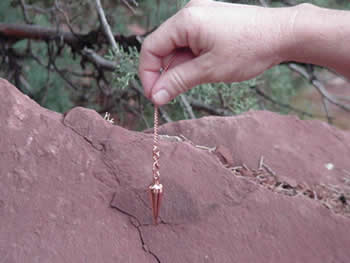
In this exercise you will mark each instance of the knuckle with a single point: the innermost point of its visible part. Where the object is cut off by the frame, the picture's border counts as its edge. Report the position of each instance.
(208, 69)
(305, 5)
(196, 3)
(189, 14)
(191, 19)
(146, 44)
(178, 82)
(185, 14)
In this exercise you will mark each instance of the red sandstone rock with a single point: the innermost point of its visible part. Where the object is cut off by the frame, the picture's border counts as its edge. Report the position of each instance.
(298, 151)
(73, 188)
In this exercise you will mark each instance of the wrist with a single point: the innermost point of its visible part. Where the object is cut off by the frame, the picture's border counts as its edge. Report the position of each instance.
(316, 35)
(282, 38)
(299, 33)
(289, 32)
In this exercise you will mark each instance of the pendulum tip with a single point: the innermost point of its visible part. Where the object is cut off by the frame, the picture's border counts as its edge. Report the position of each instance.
(156, 192)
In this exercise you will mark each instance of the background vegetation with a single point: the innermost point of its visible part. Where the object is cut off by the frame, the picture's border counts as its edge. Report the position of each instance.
(60, 75)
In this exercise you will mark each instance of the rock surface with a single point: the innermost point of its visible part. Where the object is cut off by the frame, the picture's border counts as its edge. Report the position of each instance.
(72, 189)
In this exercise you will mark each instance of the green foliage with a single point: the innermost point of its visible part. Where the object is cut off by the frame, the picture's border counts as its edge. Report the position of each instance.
(42, 20)
(127, 66)
(181, 3)
(279, 84)
(9, 14)
(157, 11)
(48, 88)
(46, 3)
(51, 91)
(235, 97)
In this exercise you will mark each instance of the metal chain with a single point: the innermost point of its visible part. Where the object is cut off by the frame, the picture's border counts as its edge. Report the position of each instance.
(156, 151)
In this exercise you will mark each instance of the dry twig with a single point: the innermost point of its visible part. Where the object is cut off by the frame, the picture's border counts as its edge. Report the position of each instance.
(187, 106)
(319, 86)
(106, 28)
(287, 106)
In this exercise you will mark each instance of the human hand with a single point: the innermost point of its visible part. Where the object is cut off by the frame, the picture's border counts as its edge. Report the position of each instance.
(211, 42)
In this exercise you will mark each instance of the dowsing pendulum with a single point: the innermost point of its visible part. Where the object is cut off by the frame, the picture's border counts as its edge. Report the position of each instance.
(156, 188)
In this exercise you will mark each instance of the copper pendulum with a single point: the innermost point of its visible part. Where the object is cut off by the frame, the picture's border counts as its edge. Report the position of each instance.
(156, 188)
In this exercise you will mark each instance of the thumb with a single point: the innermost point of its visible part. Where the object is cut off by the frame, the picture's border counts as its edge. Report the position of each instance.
(181, 78)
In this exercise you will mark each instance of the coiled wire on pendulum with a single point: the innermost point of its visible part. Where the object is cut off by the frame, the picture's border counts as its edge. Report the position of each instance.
(156, 188)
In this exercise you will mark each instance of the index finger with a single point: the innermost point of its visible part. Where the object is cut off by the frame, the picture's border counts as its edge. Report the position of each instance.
(163, 42)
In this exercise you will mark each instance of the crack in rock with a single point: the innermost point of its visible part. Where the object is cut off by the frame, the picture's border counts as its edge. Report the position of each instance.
(133, 203)
(137, 224)
(182, 209)
(97, 145)
(66, 122)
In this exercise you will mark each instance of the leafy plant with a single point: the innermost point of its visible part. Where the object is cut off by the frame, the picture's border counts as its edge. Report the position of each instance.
(126, 69)
(110, 91)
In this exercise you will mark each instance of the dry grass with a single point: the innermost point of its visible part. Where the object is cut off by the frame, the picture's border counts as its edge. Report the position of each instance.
(334, 197)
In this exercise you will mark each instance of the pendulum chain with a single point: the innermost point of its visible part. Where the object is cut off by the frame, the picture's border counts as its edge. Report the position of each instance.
(156, 151)
(156, 188)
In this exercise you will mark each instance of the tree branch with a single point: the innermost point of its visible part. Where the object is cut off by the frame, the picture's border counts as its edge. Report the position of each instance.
(318, 85)
(165, 115)
(106, 28)
(199, 105)
(98, 60)
(24, 11)
(315, 82)
(17, 32)
(326, 110)
(187, 106)
(283, 105)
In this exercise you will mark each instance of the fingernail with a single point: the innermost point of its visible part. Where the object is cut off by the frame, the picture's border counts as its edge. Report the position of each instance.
(161, 97)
